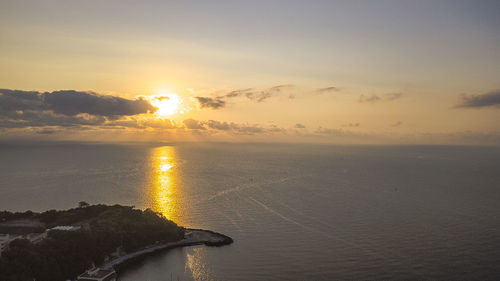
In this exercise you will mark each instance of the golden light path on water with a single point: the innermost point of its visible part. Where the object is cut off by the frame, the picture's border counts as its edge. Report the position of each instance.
(197, 266)
(165, 197)
(164, 192)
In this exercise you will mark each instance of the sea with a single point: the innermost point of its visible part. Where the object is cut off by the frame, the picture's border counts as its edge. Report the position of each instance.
(295, 211)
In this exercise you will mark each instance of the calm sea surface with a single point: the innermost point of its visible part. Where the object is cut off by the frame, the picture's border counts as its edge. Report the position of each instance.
(296, 212)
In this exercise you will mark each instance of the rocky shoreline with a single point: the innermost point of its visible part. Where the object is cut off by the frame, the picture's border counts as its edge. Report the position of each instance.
(192, 237)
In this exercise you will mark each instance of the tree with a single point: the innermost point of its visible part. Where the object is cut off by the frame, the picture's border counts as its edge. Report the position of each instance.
(83, 204)
(62, 255)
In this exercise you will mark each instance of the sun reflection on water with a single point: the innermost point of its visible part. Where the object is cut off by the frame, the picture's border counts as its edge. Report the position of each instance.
(166, 197)
(197, 265)
(164, 192)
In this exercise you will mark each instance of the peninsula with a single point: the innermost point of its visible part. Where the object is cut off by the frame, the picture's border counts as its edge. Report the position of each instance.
(62, 245)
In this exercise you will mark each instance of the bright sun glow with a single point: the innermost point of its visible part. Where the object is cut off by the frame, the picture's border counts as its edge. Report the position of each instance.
(167, 104)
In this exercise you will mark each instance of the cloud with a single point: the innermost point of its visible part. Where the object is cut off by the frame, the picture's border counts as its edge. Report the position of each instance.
(231, 127)
(299, 126)
(329, 131)
(50, 113)
(332, 132)
(217, 125)
(213, 103)
(352, 125)
(220, 101)
(258, 97)
(262, 95)
(373, 98)
(193, 124)
(376, 98)
(393, 96)
(142, 122)
(45, 132)
(14, 100)
(280, 88)
(74, 102)
(327, 90)
(19, 109)
(71, 103)
(30, 118)
(234, 127)
(479, 101)
(335, 135)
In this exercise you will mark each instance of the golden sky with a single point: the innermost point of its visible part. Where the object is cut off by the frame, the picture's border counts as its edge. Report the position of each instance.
(295, 71)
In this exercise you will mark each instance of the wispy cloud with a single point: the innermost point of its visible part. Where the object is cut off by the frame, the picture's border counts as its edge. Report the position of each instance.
(377, 98)
(256, 95)
(193, 124)
(213, 103)
(231, 127)
(299, 126)
(46, 132)
(290, 91)
(329, 131)
(491, 99)
(351, 125)
(327, 90)
(397, 124)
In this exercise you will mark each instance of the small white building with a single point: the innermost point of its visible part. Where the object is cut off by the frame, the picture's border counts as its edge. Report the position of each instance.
(36, 237)
(98, 274)
(66, 228)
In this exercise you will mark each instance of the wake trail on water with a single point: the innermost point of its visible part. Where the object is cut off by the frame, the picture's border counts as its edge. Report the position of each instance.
(258, 185)
(367, 250)
(271, 210)
(246, 186)
(233, 222)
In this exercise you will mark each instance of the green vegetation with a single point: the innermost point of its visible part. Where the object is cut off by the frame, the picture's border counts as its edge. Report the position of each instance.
(65, 254)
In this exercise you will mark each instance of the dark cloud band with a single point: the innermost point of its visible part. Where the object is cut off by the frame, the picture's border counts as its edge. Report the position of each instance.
(478, 101)
(376, 98)
(327, 90)
(64, 108)
(213, 103)
(72, 103)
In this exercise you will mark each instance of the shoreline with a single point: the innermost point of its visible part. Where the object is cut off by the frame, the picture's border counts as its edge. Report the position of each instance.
(193, 237)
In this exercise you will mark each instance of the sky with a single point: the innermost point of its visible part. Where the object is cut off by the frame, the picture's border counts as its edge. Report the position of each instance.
(346, 72)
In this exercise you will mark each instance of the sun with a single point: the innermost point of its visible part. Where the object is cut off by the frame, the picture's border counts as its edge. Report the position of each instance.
(167, 104)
